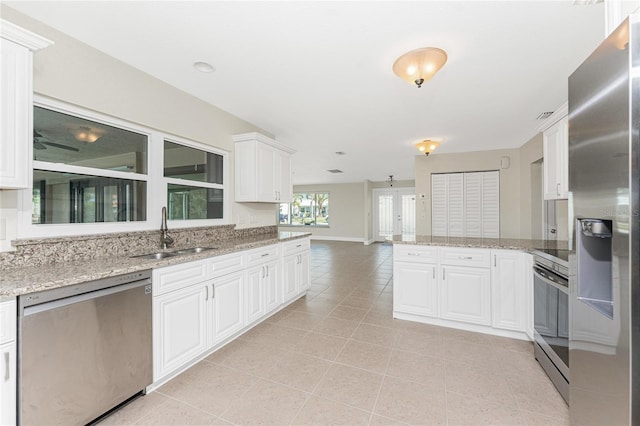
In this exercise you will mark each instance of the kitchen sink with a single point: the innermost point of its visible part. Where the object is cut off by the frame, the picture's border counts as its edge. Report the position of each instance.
(165, 254)
(157, 256)
(193, 250)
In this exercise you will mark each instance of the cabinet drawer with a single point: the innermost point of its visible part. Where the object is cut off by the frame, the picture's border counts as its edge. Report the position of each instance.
(221, 265)
(295, 246)
(410, 253)
(465, 257)
(178, 276)
(7, 321)
(262, 254)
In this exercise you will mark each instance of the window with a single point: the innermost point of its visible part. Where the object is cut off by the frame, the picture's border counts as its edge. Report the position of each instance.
(310, 209)
(194, 182)
(86, 171)
(93, 174)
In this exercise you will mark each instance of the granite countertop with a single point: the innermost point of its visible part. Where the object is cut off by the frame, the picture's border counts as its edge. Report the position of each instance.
(490, 243)
(28, 279)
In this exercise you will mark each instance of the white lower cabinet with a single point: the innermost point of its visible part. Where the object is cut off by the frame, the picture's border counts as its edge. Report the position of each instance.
(8, 371)
(415, 289)
(466, 294)
(255, 293)
(295, 275)
(228, 307)
(8, 385)
(272, 289)
(508, 290)
(199, 306)
(180, 327)
(475, 289)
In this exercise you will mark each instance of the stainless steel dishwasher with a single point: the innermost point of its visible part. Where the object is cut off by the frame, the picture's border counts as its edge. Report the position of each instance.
(83, 349)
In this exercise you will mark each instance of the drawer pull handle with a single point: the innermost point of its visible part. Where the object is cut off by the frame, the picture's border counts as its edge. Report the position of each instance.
(264, 255)
(299, 245)
(7, 370)
(206, 297)
(465, 257)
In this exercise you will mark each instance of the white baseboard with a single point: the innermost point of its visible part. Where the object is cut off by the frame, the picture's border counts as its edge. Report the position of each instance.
(348, 239)
(369, 242)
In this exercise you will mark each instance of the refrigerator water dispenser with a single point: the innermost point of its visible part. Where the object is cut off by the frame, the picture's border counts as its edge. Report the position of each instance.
(594, 249)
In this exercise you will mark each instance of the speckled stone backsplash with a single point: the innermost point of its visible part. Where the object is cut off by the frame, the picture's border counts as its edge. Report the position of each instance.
(43, 251)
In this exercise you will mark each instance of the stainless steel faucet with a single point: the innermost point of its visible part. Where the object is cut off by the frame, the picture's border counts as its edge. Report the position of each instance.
(166, 239)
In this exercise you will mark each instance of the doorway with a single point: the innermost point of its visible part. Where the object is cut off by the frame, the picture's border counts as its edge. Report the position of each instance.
(394, 213)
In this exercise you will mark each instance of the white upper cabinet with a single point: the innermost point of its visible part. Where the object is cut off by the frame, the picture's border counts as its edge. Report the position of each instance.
(16, 104)
(555, 148)
(262, 169)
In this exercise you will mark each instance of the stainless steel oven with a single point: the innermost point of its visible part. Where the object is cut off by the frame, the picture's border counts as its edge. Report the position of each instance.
(551, 316)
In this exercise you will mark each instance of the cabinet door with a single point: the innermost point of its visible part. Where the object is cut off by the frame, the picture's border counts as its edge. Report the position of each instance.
(415, 289)
(254, 295)
(555, 166)
(8, 384)
(228, 305)
(466, 294)
(265, 172)
(15, 115)
(180, 328)
(272, 286)
(507, 290)
(304, 279)
(289, 277)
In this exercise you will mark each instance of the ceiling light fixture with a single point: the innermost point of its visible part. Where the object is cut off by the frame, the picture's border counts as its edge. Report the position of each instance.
(204, 67)
(427, 146)
(419, 65)
(86, 134)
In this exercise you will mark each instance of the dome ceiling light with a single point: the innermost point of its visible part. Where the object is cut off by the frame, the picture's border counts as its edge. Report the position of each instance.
(419, 65)
(427, 146)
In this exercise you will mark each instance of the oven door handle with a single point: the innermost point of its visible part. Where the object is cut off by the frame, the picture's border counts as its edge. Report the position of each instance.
(546, 280)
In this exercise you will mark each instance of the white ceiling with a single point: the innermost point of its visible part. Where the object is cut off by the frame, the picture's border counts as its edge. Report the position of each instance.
(318, 74)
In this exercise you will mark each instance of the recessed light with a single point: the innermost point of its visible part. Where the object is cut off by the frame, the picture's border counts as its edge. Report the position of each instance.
(204, 67)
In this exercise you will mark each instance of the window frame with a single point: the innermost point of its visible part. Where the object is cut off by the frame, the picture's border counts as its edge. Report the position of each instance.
(198, 184)
(314, 224)
(157, 184)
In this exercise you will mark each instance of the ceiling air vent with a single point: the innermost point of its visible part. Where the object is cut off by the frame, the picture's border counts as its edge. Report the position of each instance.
(335, 171)
(544, 115)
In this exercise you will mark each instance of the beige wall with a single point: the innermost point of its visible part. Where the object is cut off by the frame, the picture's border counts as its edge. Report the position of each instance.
(73, 72)
(468, 162)
(346, 210)
(367, 213)
(531, 188)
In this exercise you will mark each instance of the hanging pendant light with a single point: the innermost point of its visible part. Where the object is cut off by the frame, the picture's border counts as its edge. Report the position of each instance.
(419, 65)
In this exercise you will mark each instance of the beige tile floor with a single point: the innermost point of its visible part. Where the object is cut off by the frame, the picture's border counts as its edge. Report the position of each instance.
(337, 357)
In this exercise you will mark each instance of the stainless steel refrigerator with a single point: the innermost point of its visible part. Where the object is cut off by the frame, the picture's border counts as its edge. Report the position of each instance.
(604, 287)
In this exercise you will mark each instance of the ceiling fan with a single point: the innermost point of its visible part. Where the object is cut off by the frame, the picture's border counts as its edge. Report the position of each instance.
(40, 143)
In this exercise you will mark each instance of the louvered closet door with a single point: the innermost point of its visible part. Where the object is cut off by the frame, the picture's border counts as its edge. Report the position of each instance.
(465, 204)
(491, 204)
(439, 205)
(455, 204)
(473, 204)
